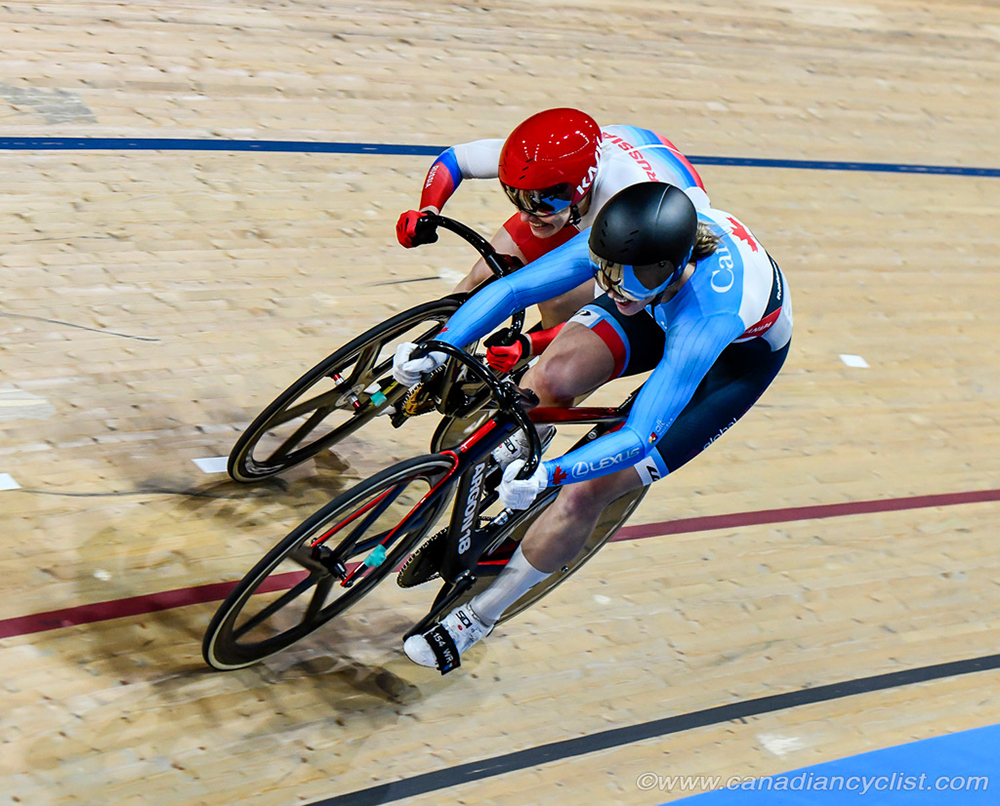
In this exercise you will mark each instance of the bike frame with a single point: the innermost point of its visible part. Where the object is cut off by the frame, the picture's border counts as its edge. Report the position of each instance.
(466, 540)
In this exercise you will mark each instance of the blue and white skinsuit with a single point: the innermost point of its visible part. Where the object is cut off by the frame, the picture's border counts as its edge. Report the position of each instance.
(720, 342)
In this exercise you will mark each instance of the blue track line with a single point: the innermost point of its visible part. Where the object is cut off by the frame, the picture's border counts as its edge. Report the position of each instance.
(303, 146)
(170, 144)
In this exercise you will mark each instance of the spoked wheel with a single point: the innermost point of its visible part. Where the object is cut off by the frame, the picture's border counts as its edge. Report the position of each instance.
(362, 535)
(334, 398)
(610, 522)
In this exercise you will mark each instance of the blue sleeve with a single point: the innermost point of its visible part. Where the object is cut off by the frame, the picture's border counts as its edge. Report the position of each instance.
(690, 351)
(450, 162)
(555, 273)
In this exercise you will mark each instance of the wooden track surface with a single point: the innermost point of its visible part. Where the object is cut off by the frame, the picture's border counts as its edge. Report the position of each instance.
(154, 301)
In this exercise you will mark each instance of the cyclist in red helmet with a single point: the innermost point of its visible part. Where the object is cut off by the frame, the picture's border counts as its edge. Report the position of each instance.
(559, 168)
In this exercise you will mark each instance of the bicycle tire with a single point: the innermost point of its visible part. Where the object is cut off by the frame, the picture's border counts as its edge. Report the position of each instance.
(293, 410)
(293, 568)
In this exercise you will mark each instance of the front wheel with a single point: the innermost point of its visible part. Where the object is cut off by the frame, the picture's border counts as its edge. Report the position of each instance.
(361, 535)
(335, 398)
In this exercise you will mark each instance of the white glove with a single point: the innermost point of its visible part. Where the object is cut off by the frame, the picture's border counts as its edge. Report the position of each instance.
(409, 372)
(518, 493)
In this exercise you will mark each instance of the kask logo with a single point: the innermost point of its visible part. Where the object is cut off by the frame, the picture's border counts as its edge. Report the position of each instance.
(588, 180)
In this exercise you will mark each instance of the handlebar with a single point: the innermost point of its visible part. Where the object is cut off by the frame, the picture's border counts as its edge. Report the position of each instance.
(508, 397)
(500, 265)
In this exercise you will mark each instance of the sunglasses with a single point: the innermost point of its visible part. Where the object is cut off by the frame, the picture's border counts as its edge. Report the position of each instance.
(541, 203)
(630, 282)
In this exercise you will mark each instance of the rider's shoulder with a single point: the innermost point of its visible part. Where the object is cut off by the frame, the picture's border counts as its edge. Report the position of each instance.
(615, 132)
(724, 223)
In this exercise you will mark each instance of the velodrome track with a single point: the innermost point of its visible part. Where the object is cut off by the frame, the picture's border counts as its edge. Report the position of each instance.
(198, 204)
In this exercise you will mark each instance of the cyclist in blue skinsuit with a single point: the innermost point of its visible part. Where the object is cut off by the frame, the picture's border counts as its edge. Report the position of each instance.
(690, 295)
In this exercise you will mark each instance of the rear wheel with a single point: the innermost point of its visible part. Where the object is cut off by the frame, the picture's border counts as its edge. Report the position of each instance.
(363, 535)
(494, 560)
(335, 398)
(610, 522)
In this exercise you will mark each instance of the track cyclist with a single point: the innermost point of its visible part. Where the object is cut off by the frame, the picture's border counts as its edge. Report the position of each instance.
(559, 168)
(689, 294)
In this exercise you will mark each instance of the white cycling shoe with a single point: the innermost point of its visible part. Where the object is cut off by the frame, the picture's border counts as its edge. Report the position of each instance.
(441, 646)
(516, 446)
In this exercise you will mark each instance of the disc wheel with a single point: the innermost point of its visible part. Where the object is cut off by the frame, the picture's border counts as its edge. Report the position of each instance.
(609, 523)
(333, 399)
(453, 431)
(362, 535)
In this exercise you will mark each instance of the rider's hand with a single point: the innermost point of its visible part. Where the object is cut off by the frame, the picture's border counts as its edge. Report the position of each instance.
(411, 371)
(415, 229)
(503, 358)
(518, 493)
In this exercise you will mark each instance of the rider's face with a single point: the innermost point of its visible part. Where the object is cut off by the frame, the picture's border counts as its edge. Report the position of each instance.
(627, 306)
(545, 226)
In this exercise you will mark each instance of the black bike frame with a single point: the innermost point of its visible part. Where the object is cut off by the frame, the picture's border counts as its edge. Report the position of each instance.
(466, 540)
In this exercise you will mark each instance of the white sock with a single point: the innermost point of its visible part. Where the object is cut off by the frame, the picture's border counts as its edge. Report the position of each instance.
(517, 578)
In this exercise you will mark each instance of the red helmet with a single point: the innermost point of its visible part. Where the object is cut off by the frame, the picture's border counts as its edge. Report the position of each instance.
(549, 162)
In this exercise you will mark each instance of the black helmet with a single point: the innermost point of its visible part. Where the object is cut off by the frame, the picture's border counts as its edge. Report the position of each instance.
(642, 239)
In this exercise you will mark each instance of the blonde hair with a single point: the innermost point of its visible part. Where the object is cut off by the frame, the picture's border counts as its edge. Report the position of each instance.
(706, 242)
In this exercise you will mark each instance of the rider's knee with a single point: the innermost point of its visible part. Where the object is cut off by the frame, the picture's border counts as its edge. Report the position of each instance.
(556, 381)
(584, 498)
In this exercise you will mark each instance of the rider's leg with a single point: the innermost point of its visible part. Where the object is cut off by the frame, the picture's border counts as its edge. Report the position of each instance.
(599, 343)
(577, 362)
(737, 379)
(553, 540)
(562, 529)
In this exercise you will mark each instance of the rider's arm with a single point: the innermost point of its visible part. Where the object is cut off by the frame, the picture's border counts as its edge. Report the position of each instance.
(691, 350)
(516, 239)
(551, 275)
(479, 159)
(480, 273)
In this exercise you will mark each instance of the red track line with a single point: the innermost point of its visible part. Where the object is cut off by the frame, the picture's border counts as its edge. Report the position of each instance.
(740, 519)
(155, 602)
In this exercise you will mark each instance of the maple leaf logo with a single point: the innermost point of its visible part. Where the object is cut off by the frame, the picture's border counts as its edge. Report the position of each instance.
(558, 475)
(739, 231)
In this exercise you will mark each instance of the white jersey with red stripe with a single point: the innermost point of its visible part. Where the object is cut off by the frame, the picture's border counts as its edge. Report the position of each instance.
(628, 155)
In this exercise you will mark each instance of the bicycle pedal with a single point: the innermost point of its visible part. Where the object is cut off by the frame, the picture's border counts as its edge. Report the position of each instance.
(423, 565)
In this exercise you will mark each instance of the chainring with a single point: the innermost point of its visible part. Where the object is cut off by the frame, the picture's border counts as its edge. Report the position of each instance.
(423, 565)
(422, 398)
